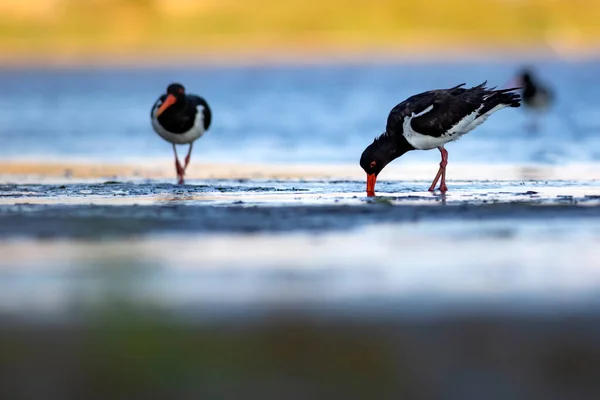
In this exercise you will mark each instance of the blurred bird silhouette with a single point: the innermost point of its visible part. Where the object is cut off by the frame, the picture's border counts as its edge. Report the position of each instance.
(180, 118)
(537, 96)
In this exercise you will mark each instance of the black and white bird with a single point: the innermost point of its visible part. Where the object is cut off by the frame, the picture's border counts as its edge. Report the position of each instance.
(180, 118)
(537, 96)
(429, 120)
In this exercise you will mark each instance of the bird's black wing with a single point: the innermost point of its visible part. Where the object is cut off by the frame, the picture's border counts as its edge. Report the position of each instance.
(417, 104)
(450, 107)
(446, 112)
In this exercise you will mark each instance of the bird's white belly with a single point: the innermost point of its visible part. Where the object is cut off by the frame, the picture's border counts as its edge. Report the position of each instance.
(425, 142)
(191, 135)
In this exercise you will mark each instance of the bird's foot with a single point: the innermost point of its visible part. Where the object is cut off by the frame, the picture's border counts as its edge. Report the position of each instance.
(442, 188)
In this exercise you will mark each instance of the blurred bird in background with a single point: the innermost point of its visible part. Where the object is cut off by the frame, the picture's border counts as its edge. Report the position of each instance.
(537, 95)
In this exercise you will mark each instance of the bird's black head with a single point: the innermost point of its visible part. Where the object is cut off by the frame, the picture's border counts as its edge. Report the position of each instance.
(176, 89)
(380, 153)
(373, 159)
(525, 76)
(175, 95)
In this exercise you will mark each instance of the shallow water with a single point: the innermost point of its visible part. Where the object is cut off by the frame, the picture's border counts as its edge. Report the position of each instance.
(526, 232)
(248, 192)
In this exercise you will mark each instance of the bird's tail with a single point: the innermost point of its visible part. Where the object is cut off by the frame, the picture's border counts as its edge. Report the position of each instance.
(504, 97)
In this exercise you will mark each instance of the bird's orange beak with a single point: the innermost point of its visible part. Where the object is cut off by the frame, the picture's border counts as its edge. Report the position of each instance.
(169, 101)
(371, 179)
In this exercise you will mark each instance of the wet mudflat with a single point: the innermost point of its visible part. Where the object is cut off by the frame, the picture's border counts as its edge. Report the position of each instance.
(306, 242)
(111, 208)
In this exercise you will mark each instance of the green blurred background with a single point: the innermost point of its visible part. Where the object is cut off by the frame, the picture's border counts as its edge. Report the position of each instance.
(192, 28)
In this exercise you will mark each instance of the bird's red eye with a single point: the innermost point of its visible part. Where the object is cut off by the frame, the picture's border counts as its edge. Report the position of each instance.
(373, 164)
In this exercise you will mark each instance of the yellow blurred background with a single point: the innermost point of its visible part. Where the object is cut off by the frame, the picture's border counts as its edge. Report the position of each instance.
(127, 29)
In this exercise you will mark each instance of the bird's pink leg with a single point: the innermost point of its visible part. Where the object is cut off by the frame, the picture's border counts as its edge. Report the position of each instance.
(435, 180)
(180, 170)
(443, 187)
(188, 157)
(441, 172)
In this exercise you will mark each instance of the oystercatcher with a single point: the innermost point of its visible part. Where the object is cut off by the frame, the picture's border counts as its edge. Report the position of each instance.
(180, 118)
(537, 96)
(430, 120)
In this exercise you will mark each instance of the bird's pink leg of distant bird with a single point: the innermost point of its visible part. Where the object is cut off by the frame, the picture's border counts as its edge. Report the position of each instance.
(441, 172)
(180, 170)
